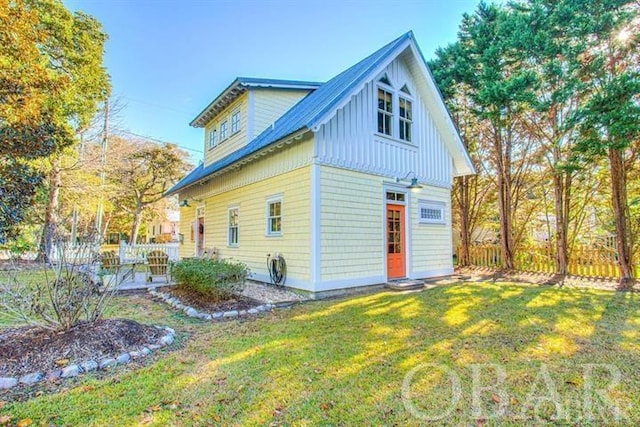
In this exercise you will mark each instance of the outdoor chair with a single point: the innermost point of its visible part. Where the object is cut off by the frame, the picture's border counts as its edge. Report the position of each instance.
(110, 262)
(158, 263)
(210, 253)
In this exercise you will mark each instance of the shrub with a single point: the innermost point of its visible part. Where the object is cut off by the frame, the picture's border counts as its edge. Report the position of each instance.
(63, 295)
(216, 279)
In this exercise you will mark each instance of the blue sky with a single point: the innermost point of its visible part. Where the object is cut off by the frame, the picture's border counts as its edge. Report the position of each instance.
(169, 59)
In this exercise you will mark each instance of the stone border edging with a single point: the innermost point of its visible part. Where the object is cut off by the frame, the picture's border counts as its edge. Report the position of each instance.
(218, 315)
(90, 365)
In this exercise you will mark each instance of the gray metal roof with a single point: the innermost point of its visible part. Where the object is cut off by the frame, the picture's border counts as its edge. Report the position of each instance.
(304, 115)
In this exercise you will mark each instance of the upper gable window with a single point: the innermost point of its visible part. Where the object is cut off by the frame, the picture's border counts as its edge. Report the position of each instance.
(405, 119)
(395, 111)
(235, 122)
(385, 80)
(213, 135)
(224, 130)
(385, 111)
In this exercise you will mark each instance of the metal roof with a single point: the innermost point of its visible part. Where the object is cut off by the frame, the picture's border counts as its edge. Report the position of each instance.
(238, 87)
(306, 114)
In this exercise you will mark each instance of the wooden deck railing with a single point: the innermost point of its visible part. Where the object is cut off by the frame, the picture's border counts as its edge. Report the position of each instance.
(583, 261)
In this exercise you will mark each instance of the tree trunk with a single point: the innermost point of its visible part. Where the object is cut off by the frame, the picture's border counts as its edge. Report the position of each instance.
(465, 221)
(561, 204)
(619, 202)
(502, 153)
(51, 214)
(135, 227)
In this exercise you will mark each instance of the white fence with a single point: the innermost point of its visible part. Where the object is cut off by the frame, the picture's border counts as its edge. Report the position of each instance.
(138, 253)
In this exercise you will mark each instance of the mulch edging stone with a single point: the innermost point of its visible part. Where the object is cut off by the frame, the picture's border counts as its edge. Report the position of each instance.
(74, 370)
(175, 303)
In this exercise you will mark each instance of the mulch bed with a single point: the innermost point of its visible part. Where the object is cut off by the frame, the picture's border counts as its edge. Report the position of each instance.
(29, 349)
(208, 305)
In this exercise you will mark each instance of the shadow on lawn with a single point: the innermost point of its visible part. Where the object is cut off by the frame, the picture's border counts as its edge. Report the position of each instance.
(343, 362)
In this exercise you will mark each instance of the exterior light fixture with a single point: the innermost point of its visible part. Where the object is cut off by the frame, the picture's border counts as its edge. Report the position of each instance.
(185, 204)
(414, 186)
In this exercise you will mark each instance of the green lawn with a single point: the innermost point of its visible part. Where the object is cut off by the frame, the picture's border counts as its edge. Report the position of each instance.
(343, 362)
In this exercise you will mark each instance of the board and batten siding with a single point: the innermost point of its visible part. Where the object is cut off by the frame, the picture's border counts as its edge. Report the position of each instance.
(431, 244)
(234, 141)
(270, 104)
(284, 172)
(350, 139)
(351, 229)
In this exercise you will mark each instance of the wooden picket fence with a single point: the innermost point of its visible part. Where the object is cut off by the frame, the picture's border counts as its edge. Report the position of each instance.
(583, 261)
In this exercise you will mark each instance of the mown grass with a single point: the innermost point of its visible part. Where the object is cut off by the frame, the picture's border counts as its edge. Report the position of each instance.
(343, 362)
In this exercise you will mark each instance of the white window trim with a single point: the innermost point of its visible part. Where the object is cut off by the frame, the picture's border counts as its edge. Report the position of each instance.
(236, 244)
(212, 144)
(236, 112)
(396, 94)
(226, 133)
(390, 90)
(402, 120)
(431, 204)
(270, 200)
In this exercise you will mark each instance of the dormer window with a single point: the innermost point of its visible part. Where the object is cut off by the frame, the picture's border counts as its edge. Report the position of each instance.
(224, 127)
(235, 122)
(385, 111)
(213, 135)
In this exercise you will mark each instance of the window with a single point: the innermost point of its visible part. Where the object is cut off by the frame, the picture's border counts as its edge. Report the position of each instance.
(385, 111)
(212, 138)
(274, 217)
(431, 212)
(405, 119)
(223, 130)
(235, 122)
(395, 196)
(233, 227)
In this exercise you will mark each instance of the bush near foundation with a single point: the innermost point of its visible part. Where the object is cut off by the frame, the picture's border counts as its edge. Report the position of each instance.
(215, 279)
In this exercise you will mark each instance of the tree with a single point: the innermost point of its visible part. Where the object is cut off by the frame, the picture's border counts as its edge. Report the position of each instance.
(52, 80)
(143, 175)
(609, 115)
(485, 63)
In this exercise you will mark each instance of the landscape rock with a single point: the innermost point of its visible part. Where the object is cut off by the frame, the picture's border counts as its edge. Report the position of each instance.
(232, 313)
(106, 363)
(252, 311)
(123, 358)
(53, 375)
(70, 371)
(217, 315)
(191, 312)
(89, 365)
(31, 378)
(154, 347)
(170, 330)
(135, 354)
(145, 352)
(166, 340)
(7, 382)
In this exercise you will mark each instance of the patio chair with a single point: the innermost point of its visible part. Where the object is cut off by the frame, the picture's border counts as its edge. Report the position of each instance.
(158, 263)
(109, 262)
(210, 253)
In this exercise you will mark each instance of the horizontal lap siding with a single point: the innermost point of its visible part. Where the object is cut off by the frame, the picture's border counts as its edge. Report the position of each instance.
(187, 216)
(351, 224)
(271, 104)
(431, 243)
(285, 172)
(233, 142)
(254, 245)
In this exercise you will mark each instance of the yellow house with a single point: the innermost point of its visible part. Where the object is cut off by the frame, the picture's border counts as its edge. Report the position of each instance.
(348, 180)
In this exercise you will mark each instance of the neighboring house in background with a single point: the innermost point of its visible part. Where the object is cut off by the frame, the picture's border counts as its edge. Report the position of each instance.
(320, 173)
(165, 229)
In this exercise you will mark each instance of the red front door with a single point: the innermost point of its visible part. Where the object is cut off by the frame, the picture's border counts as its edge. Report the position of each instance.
(396, 258)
